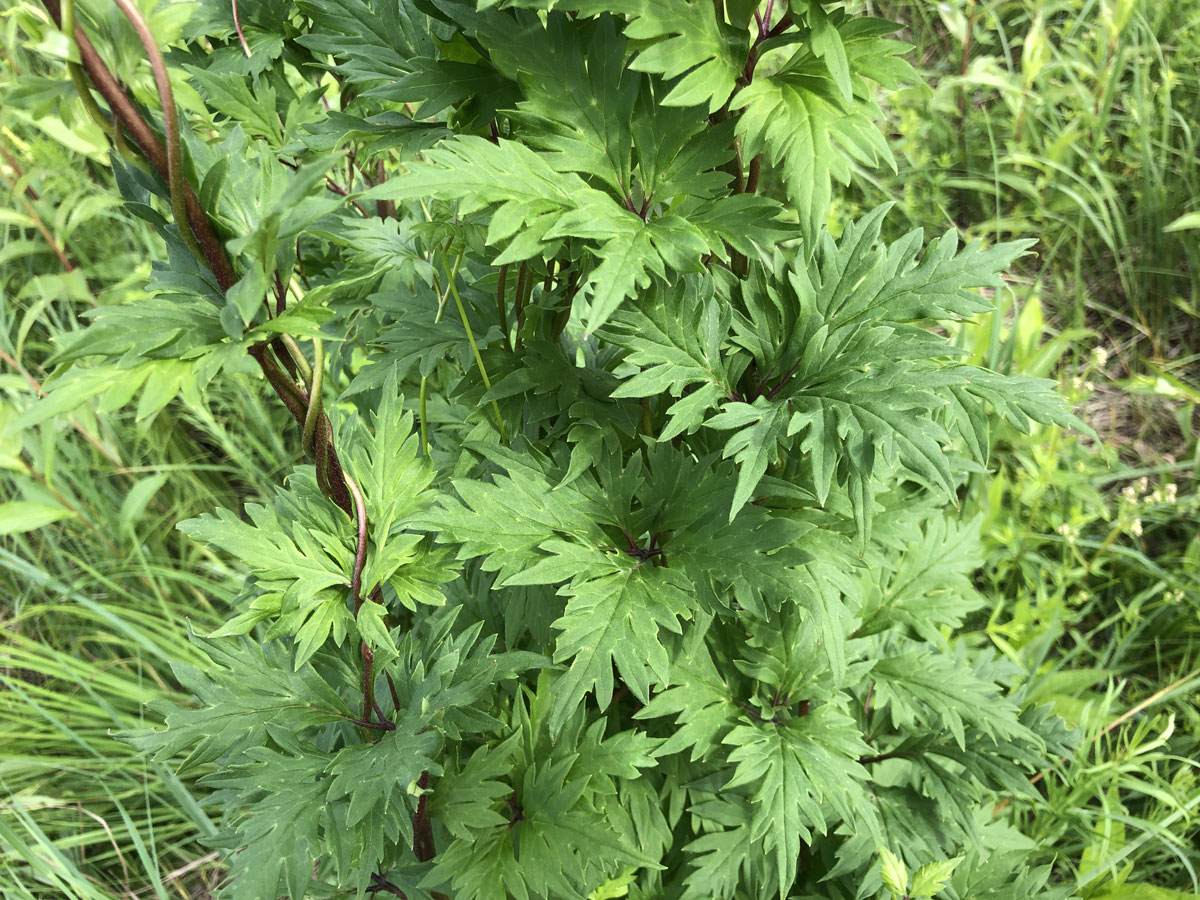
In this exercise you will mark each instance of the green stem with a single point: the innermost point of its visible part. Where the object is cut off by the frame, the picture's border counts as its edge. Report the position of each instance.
(487, 382)
(314, 396)
(501, 311)
(360, 546)
(518, 296)
(79, 79)
(297, 355)
(421, 417)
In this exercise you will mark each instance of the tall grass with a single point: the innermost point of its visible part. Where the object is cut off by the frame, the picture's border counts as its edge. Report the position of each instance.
(99, 590)
(1075, 121)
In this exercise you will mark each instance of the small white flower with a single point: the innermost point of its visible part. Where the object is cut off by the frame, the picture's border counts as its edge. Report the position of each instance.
(1136, 527)
(1172, 492)
(1129, 492)
(1100, 357)
(1143, 484)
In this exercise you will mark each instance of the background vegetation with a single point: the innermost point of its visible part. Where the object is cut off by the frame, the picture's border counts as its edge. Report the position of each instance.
(1070, 120)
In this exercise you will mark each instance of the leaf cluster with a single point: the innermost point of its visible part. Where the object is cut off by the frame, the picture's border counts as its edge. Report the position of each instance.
(637, 572)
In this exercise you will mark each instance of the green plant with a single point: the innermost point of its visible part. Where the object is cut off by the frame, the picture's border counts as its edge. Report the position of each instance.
(99, 588)
(649, 586)
(1093, 593)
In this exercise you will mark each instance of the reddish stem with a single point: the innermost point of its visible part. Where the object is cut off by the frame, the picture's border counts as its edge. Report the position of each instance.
(237, 25)
(423, 825)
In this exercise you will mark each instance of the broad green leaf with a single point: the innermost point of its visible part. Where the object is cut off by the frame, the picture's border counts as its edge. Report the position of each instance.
(18, 516)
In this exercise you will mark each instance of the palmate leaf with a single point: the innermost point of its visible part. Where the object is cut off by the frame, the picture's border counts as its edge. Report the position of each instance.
(1020, 401)
(680, 152)
(795, 769)
(930, 587)
(466, 799)
(921, 686)
(246, 690)
(935, 813)
(278, 838)
(616, 604)
(231, 95)
(685, 39)
(541, 207)
(627, 260)
(578, 93)
(550, 861)
(753, 564)
(530, 196)
(724, 859)
(757, 429)
(377, 777)
(536, 209)
(675, 335)
(800, 124)
(813, 116)
(509, 519)
(415, 338)
(375, 41)
(909, 283)
(842, 374)
(395, 483)
(865, 390)
(831, 594)
(292, 565)
(699, 697)
(564, 845)
(615, 609)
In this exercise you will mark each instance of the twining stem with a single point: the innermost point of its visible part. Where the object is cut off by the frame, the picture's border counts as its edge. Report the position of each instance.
(385, 209)
(297, 401)
(360, 560)
(519, 298)
(564, 315)
(423, 847)
(752, 177)
(170, 123)
(127, 115)
(501, 311)
(522, 302)
(323, 444)
(487, 382)
(313, 413)
(237, 25)
(765, 24)
(298, 357)
(421, 416)
(360, 550)
(77, 78)
(280, 295)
